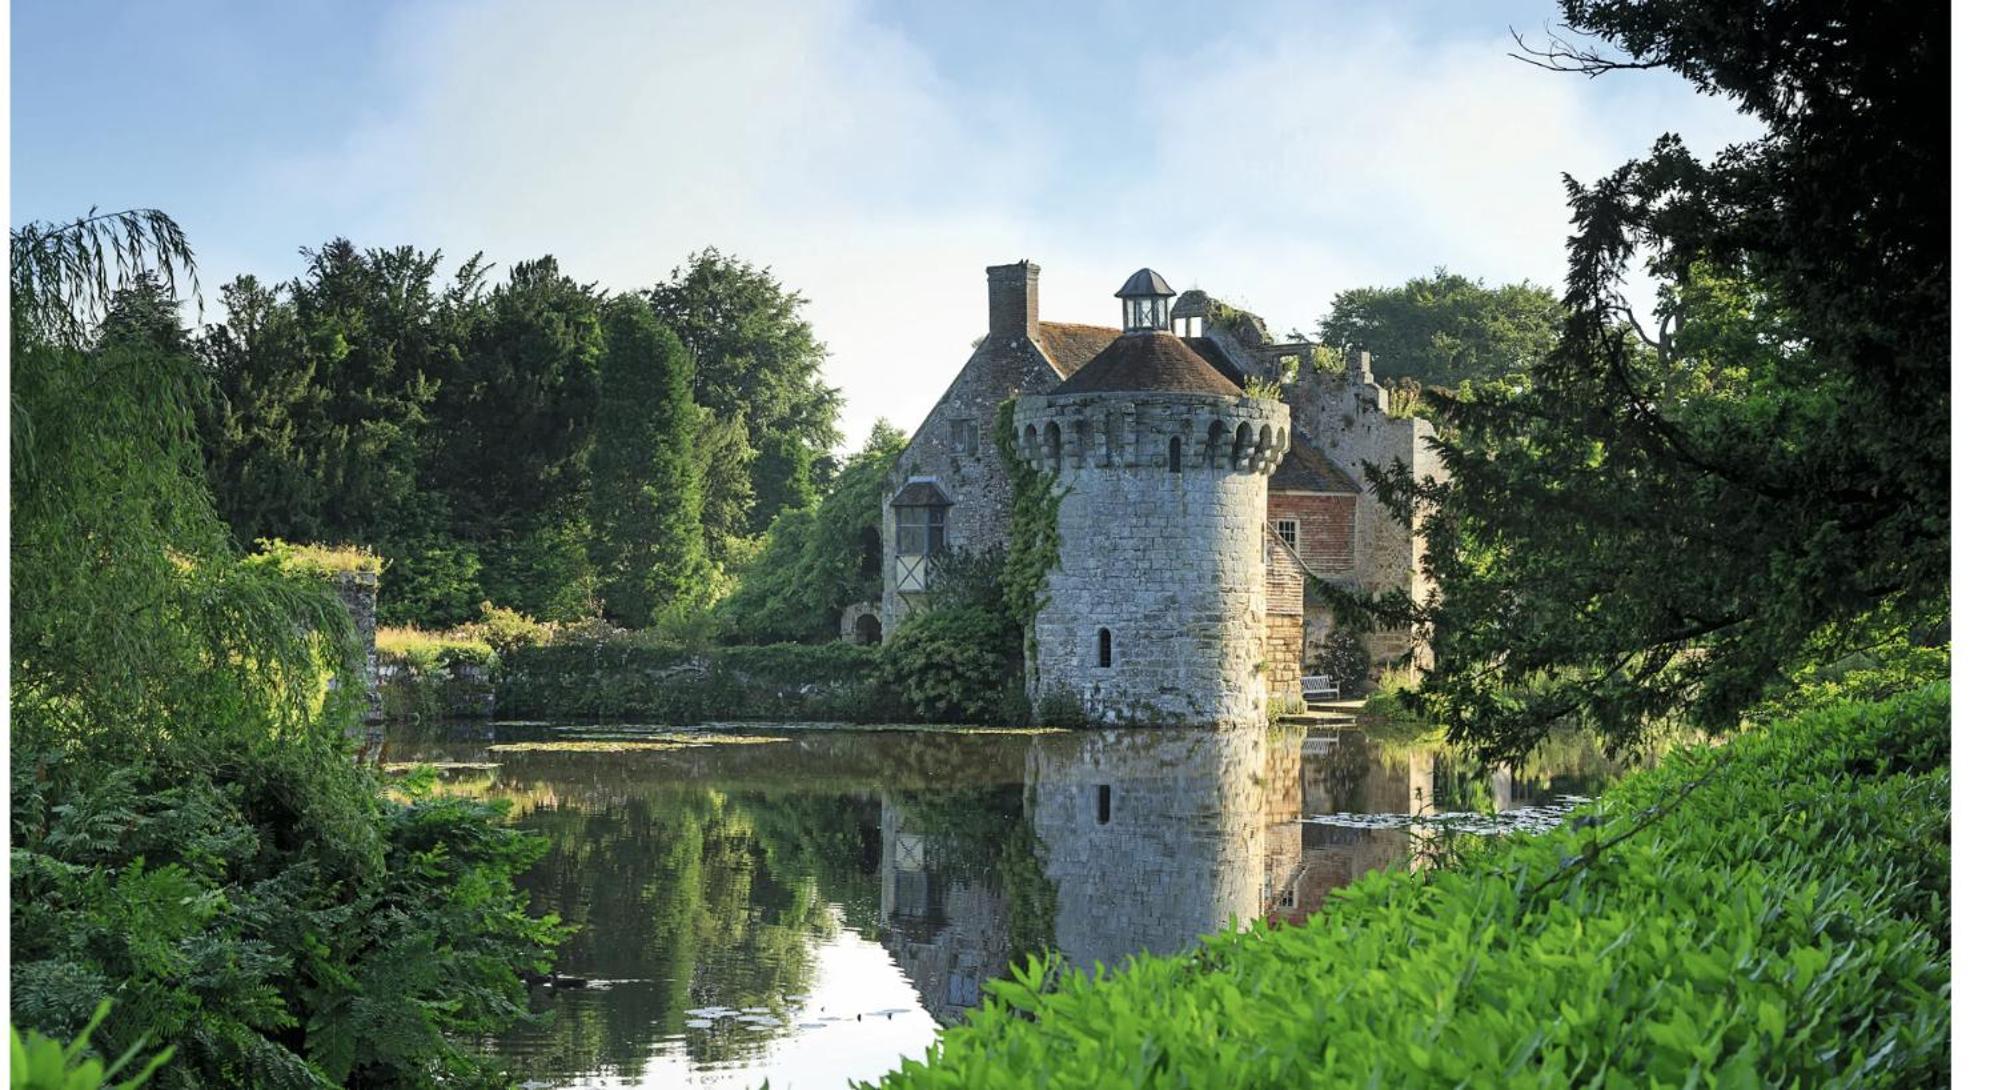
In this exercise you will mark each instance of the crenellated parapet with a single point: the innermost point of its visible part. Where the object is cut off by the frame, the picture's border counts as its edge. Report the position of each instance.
(1074, 434)
(1155, 612)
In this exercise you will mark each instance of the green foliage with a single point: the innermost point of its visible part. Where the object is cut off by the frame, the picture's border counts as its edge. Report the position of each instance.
(1266, 389)
(1034, 530)
(1444, 329)
(317, 559)
(321, 426)
(506, 631)
(62, 277)
(1665, 523)
(514, 414)
(1771, 913)
(628, 676)
(755, 360)
(36, 1062)
(189, 830)
(447, 423)
(956, 664)
(645, 497)
(815, 562)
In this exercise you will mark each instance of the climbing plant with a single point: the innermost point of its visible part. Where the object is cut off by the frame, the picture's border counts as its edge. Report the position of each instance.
(1034, 544)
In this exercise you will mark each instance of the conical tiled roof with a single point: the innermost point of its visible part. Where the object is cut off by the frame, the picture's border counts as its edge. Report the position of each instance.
(1148, 361)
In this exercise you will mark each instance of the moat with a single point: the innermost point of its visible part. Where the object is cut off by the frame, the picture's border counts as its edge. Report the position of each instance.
(808, 905)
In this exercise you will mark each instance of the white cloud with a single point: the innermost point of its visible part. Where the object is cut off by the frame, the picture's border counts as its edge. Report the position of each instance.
(1290, 159)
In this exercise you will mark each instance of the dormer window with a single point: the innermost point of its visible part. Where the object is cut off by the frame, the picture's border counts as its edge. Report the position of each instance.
(1147, 302)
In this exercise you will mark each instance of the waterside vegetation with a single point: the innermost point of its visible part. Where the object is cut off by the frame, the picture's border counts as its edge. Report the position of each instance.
(1774, 911)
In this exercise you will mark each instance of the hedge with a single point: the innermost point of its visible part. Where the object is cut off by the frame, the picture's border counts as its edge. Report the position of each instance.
(629, 679)
(1773, 912)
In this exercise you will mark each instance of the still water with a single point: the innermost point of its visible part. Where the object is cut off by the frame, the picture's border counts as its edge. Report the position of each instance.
(809, 905)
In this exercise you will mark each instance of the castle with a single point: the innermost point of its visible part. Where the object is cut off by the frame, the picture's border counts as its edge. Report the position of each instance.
(1203, 468)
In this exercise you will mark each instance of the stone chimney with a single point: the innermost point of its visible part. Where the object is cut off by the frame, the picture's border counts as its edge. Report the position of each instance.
(1014, 295)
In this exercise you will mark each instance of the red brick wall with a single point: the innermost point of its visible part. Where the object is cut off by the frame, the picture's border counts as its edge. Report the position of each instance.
(1324, 528)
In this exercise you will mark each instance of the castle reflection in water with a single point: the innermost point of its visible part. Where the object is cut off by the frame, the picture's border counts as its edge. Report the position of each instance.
(746, 911)
(1147, 840)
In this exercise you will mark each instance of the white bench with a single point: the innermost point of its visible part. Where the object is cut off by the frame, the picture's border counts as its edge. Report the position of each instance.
(1320, 687)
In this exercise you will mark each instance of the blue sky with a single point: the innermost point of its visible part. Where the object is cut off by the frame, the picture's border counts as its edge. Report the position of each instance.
(876, 154)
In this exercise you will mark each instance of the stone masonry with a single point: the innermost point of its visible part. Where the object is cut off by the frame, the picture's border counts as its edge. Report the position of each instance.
(1167, 565)
(954, 445)
(1171, 565)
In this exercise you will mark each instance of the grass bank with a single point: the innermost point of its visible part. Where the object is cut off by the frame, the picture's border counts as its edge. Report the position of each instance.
(1770, 912)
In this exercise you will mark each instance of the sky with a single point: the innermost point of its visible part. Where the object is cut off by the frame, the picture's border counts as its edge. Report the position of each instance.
(875, 154)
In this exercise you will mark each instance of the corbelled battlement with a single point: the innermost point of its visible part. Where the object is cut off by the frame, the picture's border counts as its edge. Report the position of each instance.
(1070, 434)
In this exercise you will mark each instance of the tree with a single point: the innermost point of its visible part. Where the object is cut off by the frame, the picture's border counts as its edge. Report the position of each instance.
(516, 411)
(190, 833)
(1674, 521)
(756, 359)
(324, 430)
(645, 485)
(817, 561)
(1444, 328)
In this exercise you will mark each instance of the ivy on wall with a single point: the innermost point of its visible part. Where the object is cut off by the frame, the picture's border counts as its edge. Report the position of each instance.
(1034, 546)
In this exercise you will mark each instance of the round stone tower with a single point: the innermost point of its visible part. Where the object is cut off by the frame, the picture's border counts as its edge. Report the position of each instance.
(1154, 613)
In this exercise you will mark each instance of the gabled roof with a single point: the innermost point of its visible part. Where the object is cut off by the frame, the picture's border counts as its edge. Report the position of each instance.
(1148, 361)
(1068, 346)
(920, 492)
(1304, 469)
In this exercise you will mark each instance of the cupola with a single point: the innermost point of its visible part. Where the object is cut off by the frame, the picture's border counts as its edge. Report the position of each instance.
(1147, 302)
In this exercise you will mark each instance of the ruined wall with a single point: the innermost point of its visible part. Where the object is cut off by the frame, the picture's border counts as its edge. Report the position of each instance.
(1170, 564)
(357, 591)
(1348, 412)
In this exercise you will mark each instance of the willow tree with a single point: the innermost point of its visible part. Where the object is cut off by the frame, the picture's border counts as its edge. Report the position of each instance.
(191, 837)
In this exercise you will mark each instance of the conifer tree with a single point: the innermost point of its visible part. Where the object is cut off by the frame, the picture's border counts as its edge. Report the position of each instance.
(644, 480)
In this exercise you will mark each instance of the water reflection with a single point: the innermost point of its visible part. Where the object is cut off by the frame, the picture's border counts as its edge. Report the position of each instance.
(809, 910)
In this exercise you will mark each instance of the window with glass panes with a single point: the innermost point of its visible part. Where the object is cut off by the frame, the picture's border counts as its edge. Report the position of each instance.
(919, 531)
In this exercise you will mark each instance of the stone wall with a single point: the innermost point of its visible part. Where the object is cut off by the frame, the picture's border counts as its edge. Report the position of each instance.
(357, 592)
(1170, 565)
(1008, 362)
(861, 624)
(1283, 640)
(1349, 412)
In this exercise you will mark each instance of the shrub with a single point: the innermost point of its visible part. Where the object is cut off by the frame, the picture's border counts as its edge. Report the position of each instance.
(632, 675)
(955, 665)
(1769, 913)
(504, 630)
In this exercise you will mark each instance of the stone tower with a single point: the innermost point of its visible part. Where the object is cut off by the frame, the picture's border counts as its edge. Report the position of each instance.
(1155, 612)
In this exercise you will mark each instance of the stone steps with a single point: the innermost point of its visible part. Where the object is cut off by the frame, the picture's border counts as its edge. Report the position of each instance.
(1319, 716)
